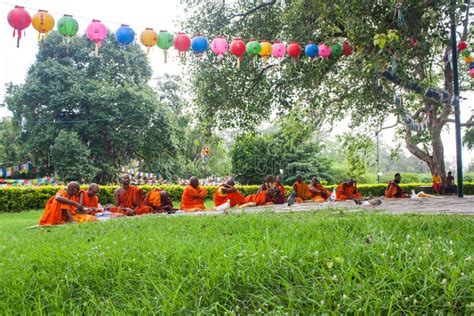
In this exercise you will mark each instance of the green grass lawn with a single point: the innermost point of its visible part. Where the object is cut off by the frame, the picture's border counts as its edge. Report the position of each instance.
(298, 262)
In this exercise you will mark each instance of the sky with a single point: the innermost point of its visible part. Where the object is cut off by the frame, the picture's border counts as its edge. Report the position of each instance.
(139, 14)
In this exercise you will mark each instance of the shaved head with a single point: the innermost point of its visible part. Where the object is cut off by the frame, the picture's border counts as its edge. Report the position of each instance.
(73, 188)
(194, 182)
(93, 189)
(230, 182)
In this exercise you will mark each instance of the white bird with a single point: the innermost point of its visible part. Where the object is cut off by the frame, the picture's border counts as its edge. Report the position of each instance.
(223, 207)
(332, 198)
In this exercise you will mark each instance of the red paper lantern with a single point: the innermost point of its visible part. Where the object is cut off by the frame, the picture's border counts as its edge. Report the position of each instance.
(294, 50)
(182, 43)
(346, 49)
(237, 48)
(462, 45)
(19, 19)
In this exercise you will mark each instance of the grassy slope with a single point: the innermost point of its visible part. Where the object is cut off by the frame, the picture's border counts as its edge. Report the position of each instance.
(312, 262)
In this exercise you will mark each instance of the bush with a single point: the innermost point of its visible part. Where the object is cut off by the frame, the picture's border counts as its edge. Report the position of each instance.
(27, 198)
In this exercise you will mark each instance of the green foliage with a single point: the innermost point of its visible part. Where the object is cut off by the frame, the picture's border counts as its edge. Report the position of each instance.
(105, 100)
(10, 147)
(70, 158)
(358, 150)
(294, 263)
(468, 140)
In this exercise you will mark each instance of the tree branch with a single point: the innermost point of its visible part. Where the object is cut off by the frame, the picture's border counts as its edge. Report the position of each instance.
(251, 11)
(466, 23)
(415, 150)
(469, 123)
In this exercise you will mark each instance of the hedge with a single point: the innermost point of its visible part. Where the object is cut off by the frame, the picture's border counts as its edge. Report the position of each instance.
(28, 198)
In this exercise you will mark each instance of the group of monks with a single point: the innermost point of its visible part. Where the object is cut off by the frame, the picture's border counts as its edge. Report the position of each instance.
(74, 205)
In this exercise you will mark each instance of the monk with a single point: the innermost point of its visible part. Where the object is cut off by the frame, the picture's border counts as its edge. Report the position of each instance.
(128, 199)
(64, 207)
(437, 183)
(267, 183)
(160, 201)
(319, 192)
(347, 191)
(302, 190)
(266, 197)
(193, 196)
(89, 200)
(280, 194)
(227, 191)
(394, 190)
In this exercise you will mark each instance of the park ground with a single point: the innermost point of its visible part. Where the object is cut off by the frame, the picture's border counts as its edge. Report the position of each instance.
(304, 259)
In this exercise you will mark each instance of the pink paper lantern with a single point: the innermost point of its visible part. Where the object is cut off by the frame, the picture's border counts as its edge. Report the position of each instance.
(219, 46)
(471, 72)
(324, 51)
(96, 32)
(278, 50)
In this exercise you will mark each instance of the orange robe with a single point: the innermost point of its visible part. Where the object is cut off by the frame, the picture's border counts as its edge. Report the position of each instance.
(280, 199)
(394, 191)
(236, 198)
(302, 192)
(129, 199)
(258, 199)
(55, 211)
(347, 192)
(322, 196)
(89, 201)
(193, 199)
(280, 188)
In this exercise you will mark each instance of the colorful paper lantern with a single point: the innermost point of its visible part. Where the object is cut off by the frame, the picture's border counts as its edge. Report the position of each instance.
(148, 38)
(125, 35)
(471, 65)
(265, 51)
(182, 43)
(346, 49)
(294, 50)
(43, 22)
(199, 44)
(462, 45)
(96, 32)
(324, 51)
(238, 48)
(165, 41)
(219, 46)
(466, 53)
(68, 26)
(19, 19)
(311, 50)
(336, 50)
(471, 72)
(278, 49)
(468, 59)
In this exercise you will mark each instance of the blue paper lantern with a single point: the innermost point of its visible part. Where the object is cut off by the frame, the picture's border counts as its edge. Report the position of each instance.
(125, 35)
(471, 65)
(311, 50)
(199, 44)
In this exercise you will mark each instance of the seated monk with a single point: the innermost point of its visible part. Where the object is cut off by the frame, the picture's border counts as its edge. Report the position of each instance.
(160, 201)
(280, 194)
(193, 196)
(302, 190)
(266, 197)
(89, 200)
(320, 193)
(128, 199)
(227, 191)
(347, 191)
(64, 207)
(267, 183)
(393, 189)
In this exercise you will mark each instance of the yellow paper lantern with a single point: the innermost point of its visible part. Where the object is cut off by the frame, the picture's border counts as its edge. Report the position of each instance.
(265, 51)
(148, 38)
(43, 22)
(468, 59)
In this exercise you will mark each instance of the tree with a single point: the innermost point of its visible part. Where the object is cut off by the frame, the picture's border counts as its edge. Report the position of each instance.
(468, 140)
(105, 100)
(10, 147)
(69, 157)
(405, 58)
(358, 150)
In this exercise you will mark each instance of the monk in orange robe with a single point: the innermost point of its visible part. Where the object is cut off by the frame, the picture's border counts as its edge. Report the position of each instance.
(193, 196)
(302, 190)
(89, 200)
(319, 192)
(394, 190)
(267, 183)
(347, 191)
(160, 201)
(280, 195)
(128, 199)
(227, 191)
(64, 207)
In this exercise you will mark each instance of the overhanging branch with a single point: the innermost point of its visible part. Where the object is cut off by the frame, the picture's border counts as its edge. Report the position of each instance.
(253, 10)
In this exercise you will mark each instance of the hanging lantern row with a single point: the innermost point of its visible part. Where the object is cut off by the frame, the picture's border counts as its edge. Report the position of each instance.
(96, 32)
(468, 58)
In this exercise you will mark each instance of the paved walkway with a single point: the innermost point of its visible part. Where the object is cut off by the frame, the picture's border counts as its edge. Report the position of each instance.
(435, 205)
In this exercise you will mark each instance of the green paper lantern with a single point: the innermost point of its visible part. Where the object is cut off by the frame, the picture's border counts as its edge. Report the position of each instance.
(336, 50)
(165, 41)
(253, 48)
(466, 53)
(68, 26)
